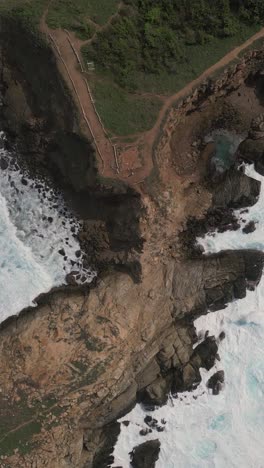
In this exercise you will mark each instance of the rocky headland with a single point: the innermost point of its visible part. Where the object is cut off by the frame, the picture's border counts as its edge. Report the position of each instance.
(83, 357)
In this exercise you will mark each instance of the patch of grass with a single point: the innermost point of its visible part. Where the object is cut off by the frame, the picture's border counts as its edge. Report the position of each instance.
(21, 439)
(92, 343)
(79, 16)
(124, 113)
(80, 366)
(20, 422)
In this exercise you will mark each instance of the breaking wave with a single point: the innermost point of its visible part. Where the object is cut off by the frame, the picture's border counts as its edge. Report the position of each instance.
(38, 239)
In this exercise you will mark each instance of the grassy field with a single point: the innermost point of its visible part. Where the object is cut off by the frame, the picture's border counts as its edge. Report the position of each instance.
(80, 15)
(123, 113)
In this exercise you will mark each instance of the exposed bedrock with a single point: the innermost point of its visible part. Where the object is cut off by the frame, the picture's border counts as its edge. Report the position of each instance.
(146, 454)
(236, 190)
(252, 151)
(87, 356)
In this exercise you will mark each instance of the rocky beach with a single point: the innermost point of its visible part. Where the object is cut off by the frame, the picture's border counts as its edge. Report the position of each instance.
(120, 284)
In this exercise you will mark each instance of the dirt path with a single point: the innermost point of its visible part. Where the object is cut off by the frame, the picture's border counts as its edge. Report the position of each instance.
(135, 160)
(151, 136)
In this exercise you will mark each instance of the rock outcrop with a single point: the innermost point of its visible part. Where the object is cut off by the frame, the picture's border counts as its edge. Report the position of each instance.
(252, 151)
(83, 357)
(146, 455)
(87, 356)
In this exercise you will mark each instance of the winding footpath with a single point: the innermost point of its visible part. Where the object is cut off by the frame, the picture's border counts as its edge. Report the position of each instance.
(68, 52)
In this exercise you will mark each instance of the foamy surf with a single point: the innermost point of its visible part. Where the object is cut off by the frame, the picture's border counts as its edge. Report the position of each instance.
(38, 241)
(203, 430)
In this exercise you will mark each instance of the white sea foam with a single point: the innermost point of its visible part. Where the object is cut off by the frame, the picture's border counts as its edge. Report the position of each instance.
(33, 229)
(224, 431)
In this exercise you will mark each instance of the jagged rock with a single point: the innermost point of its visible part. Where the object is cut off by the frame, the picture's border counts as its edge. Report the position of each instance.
(156, 394)
(146, 455)
(250, 227)
(205, 353)
(3, 164)
(214, 280)
(257, 128)
(252, 151)
(215, 383)
(190, 377)
(148, 375)
(237, 190)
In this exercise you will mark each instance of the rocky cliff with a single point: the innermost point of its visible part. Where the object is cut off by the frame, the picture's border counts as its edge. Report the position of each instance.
(83, 357)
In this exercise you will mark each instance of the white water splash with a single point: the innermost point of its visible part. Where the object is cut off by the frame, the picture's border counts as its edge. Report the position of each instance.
(37, 243)
(224, 431)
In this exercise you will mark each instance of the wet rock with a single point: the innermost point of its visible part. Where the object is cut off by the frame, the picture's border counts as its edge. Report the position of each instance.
(71, 279)
(144, 432)
(237, 190)
(190, 377)
(205, 353)
(126, 423)
(216, 382)
(222, 336)
(3, 164)
(252, 151)
(50, 219)
(250, 227)
(62, 252)
(146, 455)
(156, 394)
(24, 181)
(151, 422)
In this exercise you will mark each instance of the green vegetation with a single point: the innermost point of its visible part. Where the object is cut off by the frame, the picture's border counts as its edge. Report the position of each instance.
(124, 113)
(29, 12)
(150, 46)
(158, 47)
(80, 16)
(170, 38)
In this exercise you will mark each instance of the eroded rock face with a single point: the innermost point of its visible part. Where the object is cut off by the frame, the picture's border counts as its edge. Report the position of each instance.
(84, 353)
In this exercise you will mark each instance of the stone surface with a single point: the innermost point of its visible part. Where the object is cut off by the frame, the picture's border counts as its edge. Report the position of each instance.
(146, 455)
(216, 382)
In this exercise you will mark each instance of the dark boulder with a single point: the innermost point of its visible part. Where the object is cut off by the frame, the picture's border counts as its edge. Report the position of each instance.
(250, 227)
(216, 382)
(205, 353)
(3, 164)
(252, 151)
(254, 262)
(156, 394)
(145, 455)
(236, 190)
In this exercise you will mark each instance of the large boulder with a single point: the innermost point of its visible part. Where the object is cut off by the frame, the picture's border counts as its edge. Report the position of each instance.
(145, 455)
(211, 281)
(205, 353)
(216, 382)
(236, 190)
(156, 394)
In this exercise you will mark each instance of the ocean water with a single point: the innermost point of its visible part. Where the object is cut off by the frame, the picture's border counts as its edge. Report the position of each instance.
(224, 431)
(33, 229)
